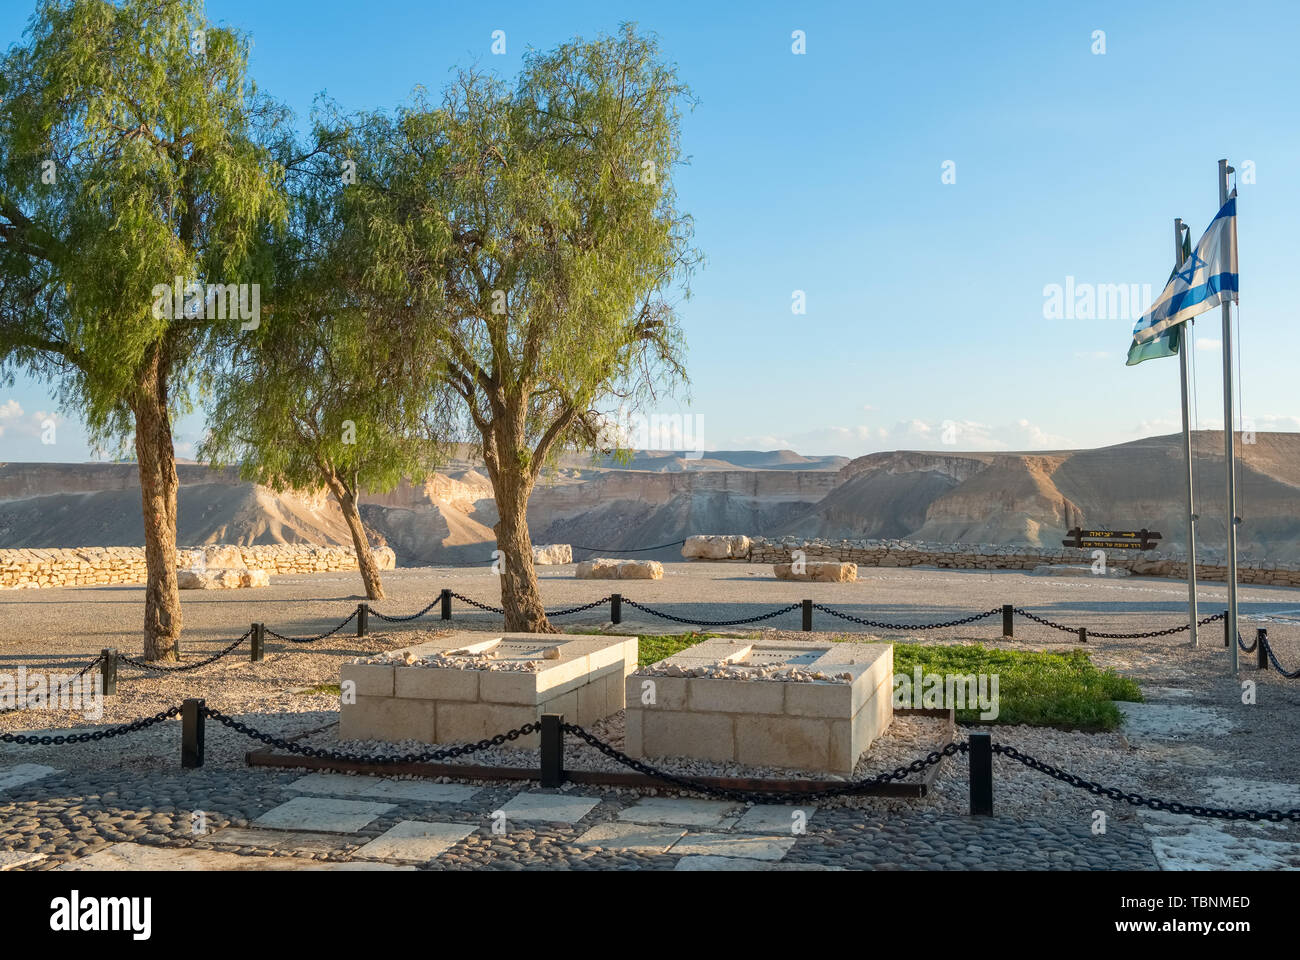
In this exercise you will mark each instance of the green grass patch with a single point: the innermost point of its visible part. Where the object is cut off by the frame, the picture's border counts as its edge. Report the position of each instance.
(1063, 690)
(332, 688)
(654, 648)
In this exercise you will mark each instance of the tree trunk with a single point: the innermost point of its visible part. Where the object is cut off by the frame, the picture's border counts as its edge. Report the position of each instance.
(156, 458)
(365, 555)
(520, 596)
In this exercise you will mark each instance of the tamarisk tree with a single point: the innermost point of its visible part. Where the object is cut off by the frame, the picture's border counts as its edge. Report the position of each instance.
(534, 232)
(131, 163)
(317, 396)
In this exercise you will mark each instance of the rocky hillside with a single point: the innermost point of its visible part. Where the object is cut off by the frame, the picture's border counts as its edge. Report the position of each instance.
(939, 497)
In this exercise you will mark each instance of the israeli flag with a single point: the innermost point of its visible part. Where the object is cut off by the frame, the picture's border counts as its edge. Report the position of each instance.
(1206, 279)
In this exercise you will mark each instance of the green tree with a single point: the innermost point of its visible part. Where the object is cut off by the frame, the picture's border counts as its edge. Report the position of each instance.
(535, 233)
(317, 396)
(132, 152)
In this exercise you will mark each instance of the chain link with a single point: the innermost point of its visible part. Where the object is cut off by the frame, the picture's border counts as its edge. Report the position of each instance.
(429, 756)
(585, 606)
(840, 790)
(1137, 800)
(481, 606)
(61, 739)
(145, 665)
(1116, 636)
(415, 616)
(320, 636)
(907, 626)
(711, 623)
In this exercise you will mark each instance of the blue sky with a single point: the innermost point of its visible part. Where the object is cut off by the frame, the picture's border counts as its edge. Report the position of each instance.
(822, 172)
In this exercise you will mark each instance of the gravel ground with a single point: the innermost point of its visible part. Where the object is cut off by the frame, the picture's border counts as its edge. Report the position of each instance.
(133, 787)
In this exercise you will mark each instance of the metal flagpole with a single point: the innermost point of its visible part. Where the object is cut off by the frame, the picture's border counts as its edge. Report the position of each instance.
(1229, 448)
(1184, 346)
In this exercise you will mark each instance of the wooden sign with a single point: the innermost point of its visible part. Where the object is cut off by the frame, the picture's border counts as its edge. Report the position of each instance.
(1111, 539)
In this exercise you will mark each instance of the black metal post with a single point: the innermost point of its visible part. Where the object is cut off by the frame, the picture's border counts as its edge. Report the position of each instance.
(108, 670)
(363, 619)
(981, 775)
(1083, 634)
(1261, 647)
(1227, 630)
(445, 597)
(616, 608)
(257, 649)
(1008, 621)
(552, 749)
(192, 734)
(807, 616)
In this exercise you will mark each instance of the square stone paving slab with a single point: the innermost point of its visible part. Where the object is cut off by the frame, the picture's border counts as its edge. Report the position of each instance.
(734, 845)
(416, 841)
(323, 813)
(289, 841)
(680, 811)
(773, 818)
(549, 807)
(136, 856)
(632, 837)
(16, 776)
(341, 785)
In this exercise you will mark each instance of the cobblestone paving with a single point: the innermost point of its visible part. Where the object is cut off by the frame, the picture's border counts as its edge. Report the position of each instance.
(68, 815)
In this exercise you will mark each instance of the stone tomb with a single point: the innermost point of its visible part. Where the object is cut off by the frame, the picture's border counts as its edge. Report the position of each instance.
(471, 686)
(762, 703)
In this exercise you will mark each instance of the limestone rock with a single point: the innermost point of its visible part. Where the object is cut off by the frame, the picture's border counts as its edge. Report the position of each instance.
(640, 570)
(823, 571)
(597, 569)
(716, 547)
(553, 553)
(221, 556)
(604, 568)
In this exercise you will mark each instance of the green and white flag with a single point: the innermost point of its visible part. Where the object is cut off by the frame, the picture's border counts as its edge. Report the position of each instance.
(1167, 344)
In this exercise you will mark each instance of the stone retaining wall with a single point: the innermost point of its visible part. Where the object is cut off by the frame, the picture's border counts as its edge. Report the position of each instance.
(94, 566)
(965, 556)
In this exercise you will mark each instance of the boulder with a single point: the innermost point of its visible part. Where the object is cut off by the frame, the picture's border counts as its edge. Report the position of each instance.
(823, 571)
(553, 553)
(385, 558)
(716, 547)
(607, 569)
(598, 569)
(640, 570)
(222, 579)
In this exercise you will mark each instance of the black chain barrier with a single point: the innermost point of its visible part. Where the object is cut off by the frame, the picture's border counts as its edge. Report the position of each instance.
(184, 668)
(320, 636)
(907, 626)
(1137, 800)
(415, 616)
(662, 546)
(429, 756)
(711, 623)
(481, 606)
(586, 606)
(64, 738)
(1117, 636)
(839, 790)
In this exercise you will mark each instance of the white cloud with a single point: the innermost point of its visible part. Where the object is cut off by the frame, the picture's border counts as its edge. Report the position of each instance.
(1209, 345)
(10, 410)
